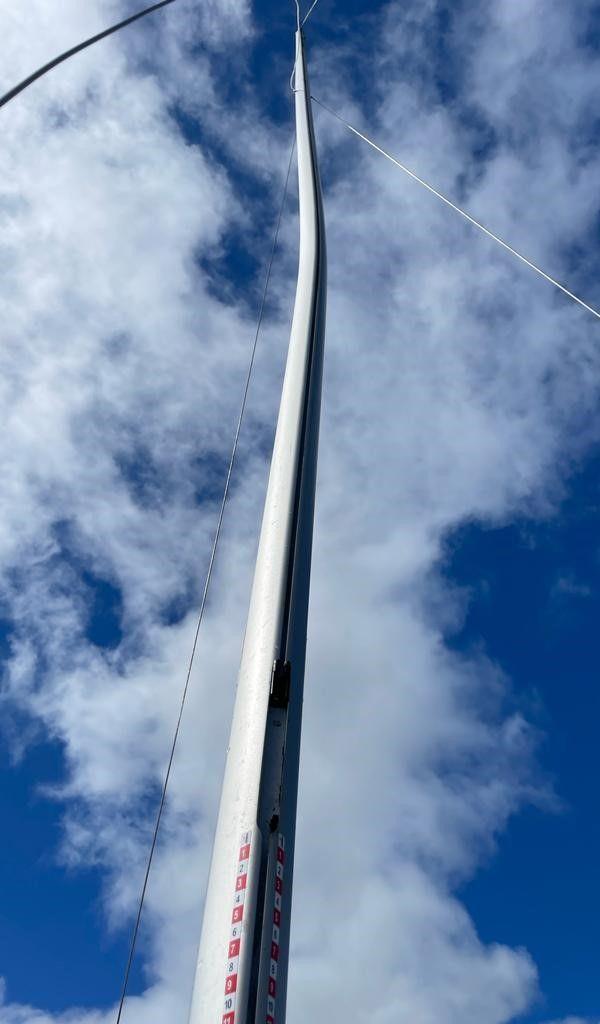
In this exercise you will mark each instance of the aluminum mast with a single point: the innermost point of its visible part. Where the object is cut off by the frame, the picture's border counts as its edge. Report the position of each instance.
(241, 975)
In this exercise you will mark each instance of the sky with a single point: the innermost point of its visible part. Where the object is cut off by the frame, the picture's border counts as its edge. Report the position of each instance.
(448, 839)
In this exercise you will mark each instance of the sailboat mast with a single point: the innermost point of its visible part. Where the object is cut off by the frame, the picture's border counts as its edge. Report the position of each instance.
(241, 974)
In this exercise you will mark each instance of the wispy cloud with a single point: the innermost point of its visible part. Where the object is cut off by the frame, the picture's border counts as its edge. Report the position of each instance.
(457, 386)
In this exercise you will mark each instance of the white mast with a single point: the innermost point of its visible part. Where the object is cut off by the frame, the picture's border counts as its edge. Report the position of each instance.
(241, 975)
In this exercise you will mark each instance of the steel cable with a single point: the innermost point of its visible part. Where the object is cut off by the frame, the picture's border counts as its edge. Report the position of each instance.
(310, 10)
(457, 209)
(10, 95)
(209, 573)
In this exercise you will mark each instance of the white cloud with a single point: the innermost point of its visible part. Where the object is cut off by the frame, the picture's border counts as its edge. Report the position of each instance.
(457, 386)
(572, 1020)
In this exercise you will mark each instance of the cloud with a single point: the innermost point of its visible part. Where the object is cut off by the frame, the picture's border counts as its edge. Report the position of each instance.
(566, 587)
(572, 1020)
(457, 386)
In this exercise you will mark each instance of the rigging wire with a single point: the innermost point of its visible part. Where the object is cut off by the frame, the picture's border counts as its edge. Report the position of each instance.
(10, 95)
(311, 9)
(457, 209)
(207, 582)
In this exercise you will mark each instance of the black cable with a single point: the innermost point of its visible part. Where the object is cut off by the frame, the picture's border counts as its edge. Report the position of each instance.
(75, 49)
(211, 563)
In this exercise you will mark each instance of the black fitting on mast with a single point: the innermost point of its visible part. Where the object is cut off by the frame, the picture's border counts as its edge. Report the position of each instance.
(279, 694)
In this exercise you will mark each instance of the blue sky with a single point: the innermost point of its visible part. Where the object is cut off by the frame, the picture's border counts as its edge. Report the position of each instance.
(536, 606)
(456, 574)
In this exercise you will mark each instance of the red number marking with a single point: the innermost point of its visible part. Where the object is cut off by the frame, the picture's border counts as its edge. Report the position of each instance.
(231, 984)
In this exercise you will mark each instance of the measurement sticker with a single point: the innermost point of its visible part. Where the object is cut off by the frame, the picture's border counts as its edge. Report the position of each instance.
(235, 936)
(275, 947)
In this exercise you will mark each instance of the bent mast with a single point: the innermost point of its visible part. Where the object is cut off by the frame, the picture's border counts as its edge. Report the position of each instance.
(241, 974)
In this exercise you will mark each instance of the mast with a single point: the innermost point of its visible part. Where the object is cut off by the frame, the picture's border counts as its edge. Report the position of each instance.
(241, 974)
